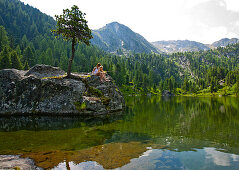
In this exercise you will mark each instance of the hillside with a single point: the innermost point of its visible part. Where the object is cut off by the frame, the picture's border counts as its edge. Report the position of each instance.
(179, 46)
(115, 36)
(224, 42)
(20, 20)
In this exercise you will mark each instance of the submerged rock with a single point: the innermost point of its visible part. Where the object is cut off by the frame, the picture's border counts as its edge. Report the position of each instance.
(167, 93)
(45, 90)
(15, 162)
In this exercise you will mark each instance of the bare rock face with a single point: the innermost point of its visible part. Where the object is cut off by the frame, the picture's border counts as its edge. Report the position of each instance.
(44, 90)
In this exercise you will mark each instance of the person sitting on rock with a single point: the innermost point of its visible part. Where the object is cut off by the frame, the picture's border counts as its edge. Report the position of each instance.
(96, 70)
(99, 72)
(103, 74)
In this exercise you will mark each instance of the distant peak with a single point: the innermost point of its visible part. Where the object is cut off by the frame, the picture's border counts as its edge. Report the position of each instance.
(115, 26)
(114, 23)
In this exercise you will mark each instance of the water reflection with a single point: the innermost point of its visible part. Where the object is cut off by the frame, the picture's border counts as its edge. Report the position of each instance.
(39, 123)
(155, 132)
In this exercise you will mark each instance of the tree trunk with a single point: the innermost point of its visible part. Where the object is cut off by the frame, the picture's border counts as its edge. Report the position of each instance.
(67, 165)
(71, 58)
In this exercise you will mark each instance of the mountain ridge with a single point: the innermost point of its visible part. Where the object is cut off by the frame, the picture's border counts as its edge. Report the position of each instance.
(120, 39)
(115, 36)
(173, 46)
(224, 42)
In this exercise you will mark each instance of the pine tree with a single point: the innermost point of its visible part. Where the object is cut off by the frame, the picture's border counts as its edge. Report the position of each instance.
(49, 57)
(3, 38)
(5, 61)
(16, 63)
(213, 85)
(237, 85)
(186, 84)
(73, 26)
(26, 66)
(28, 56)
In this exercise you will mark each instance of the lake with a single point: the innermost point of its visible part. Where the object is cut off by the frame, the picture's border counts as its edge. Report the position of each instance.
(152, 133)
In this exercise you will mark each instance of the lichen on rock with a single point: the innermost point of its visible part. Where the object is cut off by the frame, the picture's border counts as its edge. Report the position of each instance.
(44, 90)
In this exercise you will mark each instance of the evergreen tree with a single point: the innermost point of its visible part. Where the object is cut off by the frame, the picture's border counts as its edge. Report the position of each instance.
(16, 63)
(72, 25)
(186, 84)
(28, 56)
(237, 85)
(171, 83)
(213, 85)
(3, 38)
(26, 66)
(49, 57)
(5, 61)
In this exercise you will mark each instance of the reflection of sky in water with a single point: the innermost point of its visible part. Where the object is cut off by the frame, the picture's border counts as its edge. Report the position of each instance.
(207, 158)
(221, 158)
(92, 165)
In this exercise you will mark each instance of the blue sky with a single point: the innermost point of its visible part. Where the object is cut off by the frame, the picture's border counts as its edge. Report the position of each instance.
(205, 21)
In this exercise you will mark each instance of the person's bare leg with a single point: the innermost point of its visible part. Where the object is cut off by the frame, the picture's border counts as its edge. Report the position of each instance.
(105, 76)
(101, 77)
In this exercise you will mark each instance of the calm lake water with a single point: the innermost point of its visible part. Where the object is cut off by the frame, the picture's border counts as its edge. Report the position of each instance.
(152, 133)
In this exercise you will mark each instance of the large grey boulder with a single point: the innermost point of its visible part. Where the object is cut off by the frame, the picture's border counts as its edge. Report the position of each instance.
(39, 91)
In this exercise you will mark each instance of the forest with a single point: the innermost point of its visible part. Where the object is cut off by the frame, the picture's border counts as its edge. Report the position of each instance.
(26, 40)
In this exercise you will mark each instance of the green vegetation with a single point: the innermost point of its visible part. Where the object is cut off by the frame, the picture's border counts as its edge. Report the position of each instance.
(212, 72)
(92, 91)
(80, 106)
(105, 100)
(73, 26)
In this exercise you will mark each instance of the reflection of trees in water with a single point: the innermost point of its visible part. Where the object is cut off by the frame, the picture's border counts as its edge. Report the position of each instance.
(37, 123)
(196, 119)
(179, 123)
(112, 155)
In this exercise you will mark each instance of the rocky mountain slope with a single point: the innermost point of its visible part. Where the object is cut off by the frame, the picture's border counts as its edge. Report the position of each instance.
(115, 36)
(224, 42)
(179, 46)
(174, 46)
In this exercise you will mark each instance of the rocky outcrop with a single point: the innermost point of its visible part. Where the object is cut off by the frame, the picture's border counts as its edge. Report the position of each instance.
(15, 162)
(45, 90)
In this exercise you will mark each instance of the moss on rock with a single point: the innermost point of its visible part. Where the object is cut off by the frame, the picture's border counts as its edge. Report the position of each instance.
(105, 100)
(80, 106)
(95, 92)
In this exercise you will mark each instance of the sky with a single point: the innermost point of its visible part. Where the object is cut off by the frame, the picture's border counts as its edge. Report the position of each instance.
(204, 21)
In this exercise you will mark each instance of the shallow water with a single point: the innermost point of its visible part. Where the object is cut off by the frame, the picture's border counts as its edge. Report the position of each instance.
(152, 133)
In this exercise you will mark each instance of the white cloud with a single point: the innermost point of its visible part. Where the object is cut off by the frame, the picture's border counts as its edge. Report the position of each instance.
(220, 158)
(200, 20)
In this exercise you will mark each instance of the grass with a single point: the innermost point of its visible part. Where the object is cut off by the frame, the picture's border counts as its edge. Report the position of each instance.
(55, 77)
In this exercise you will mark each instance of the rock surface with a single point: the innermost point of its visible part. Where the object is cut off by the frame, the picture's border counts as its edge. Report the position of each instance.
(15, 162)
(167, 93)
(38, 91)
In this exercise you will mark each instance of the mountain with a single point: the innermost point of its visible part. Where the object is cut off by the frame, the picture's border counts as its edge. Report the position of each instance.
(179, 46)
(174, 46)
(115, 36)
(224, 42)
(20, 19)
